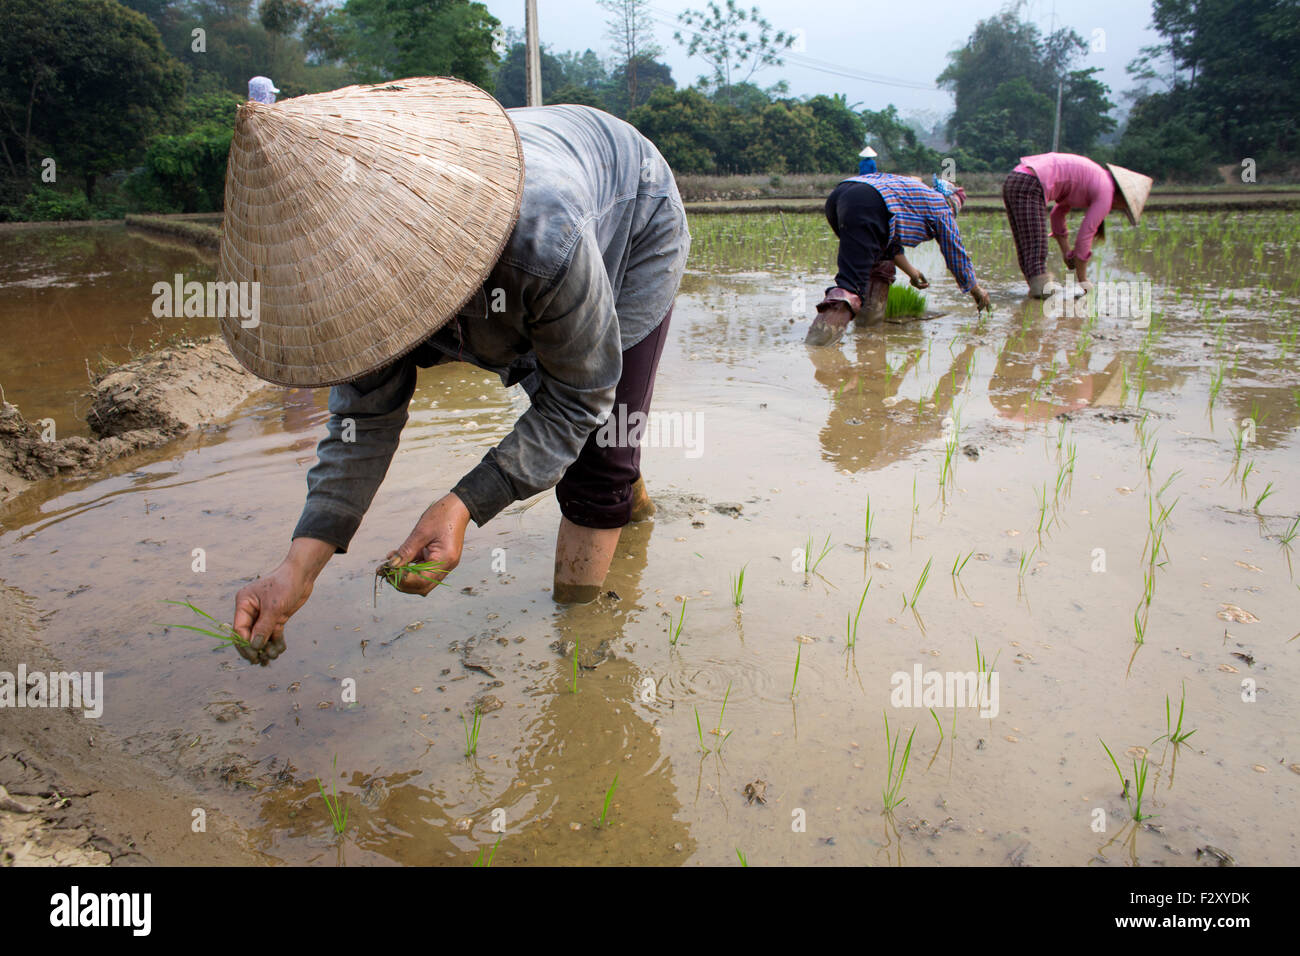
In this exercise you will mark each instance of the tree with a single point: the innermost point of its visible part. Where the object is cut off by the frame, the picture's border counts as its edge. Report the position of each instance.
(683, 124)
(511, 83)
(631, 29)
(734, 42)
(652, 75)
(390, 39)
(897, 143)
(86, 80)
(1004, 80)
(1232, 86)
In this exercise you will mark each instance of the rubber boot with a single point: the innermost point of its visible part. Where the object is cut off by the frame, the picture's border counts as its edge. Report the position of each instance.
(828, 328)
(1043, 286)
(643, 508)
(873, 309)
(582, 559)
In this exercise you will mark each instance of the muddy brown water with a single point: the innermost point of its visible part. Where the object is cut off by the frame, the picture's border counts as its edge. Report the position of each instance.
(800, 441)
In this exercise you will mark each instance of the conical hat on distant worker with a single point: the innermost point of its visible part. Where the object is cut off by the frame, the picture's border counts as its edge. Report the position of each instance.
(867, 153)
(368, 216)
(1134, 187)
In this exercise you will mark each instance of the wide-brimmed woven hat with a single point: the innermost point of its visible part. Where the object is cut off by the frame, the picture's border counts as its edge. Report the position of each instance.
(1134, 187)
(867, 152)
(368, 216)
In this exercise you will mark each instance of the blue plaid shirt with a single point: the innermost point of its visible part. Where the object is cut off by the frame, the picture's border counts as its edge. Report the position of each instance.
(918, 213)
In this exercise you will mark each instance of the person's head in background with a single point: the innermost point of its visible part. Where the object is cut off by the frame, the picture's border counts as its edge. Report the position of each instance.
(953, 194)
(261, 90)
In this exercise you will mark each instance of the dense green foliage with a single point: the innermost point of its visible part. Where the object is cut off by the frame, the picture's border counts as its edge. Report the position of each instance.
(115, 105)
(1231, 72)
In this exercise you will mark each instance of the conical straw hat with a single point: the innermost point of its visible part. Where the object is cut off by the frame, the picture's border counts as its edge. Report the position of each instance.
(1134, 187)
(368, 216)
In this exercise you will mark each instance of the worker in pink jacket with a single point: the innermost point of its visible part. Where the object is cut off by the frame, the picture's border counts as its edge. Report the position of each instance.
(1072, 183)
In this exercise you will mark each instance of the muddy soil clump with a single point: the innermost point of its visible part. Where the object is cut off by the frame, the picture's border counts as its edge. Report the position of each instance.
(141, 404)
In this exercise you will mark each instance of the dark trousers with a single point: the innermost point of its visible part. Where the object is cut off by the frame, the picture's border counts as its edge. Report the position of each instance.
(1026, 205)
(596, 490)
(860, 220)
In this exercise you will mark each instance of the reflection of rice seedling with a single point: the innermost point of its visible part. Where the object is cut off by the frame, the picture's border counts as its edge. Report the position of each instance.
(473, 727)
(851, 624)
(609, 795)
(1174, 732)
(484, 856)
(738, 586)
(219, 631)
(895, 768)
(795, 683)
(338, 813)
(1268, 491)
(1133, 799)
(677, 632)
(920, 584)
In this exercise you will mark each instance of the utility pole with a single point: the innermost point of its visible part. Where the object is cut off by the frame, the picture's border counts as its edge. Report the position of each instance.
(533, 63)
(1056, 130)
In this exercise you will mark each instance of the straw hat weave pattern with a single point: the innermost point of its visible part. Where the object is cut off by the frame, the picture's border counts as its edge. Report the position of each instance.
(368, 216)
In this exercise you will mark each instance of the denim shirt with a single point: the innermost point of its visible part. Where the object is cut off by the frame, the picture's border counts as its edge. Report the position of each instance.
(590, 269)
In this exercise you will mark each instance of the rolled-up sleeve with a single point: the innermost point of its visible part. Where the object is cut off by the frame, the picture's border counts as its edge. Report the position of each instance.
(365, 426)
(1059, 211)
(574, 333)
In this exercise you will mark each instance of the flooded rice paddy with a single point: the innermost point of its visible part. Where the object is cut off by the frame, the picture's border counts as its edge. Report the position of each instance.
(1017, 472)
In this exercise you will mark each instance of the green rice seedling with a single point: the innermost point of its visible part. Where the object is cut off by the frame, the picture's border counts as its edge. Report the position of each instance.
(743, 861)
(337, 811)
(1245, 476)
(395, 573)
(904, 301)
(1139, 629)
(609, 795)
(895, 769)
(472, 728)
(810, 564)
(717, 731)
(1042, 512)
(866, 532)
(851, 623)
(1151, 459)
(798, 654)
(219, 630)
(982, 664)
(1168, 481)
(1216, 383)
(738, 586)
(1289, 534)
(1026, 561)
(485, 856)
(1174, 732)
(1268, 491)
(937, 724)
(676, 632)
(699, 730)
(920, 584)
(959, 563)
(1134, 798)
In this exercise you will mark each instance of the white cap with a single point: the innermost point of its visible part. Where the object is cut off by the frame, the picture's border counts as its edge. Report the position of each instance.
(867, 152)
(261, 89)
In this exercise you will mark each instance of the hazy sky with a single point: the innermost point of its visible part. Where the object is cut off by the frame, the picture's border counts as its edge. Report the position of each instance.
(904, 43)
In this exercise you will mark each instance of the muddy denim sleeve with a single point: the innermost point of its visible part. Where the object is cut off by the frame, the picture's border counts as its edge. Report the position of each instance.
(366, 419)
(574, 333)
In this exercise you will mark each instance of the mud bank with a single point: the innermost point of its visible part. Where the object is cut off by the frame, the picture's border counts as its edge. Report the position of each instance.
(141, 404)
(69, 797)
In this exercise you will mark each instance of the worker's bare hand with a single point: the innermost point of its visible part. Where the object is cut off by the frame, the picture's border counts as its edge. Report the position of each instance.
(263, 608)
(919, 281)
(438, 537)
(981, 298)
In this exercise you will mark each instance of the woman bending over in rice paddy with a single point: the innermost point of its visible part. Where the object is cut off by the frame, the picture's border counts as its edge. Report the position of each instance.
(403, 232)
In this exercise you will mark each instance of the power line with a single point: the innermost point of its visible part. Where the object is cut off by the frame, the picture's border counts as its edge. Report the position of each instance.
(664, 18)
